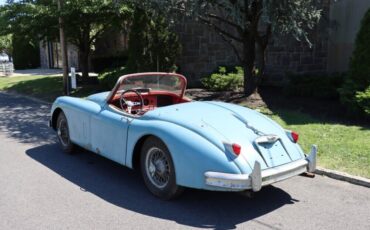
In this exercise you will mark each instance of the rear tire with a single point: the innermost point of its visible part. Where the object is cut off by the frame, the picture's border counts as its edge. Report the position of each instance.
(63, 134)
(158, 170)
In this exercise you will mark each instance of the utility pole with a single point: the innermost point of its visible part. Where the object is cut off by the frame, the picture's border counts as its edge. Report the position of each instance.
(63, 46)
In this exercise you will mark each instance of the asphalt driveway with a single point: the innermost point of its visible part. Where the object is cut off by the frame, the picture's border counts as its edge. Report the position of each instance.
(43, 188)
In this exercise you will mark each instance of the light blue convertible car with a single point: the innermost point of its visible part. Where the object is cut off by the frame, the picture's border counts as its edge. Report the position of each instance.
(147, 123)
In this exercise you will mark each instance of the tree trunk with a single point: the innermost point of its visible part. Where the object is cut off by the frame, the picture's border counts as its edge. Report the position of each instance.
(261, 55)
(250, 84)
(84, 53)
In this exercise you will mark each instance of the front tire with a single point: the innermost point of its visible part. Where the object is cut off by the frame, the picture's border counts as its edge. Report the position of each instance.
(158, 170)
(63, 134)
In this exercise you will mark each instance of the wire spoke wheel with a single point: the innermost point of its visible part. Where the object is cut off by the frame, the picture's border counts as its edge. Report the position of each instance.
(63, 134)
(62, 131)
(158, 170)
(157, 167)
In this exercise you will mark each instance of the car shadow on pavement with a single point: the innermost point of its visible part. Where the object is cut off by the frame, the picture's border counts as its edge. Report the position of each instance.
(124, 188)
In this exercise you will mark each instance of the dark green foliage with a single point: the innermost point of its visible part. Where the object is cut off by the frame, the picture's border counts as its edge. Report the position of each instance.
(317, 86)
(108, 78)
(6, 44)
(224, 79)
(102, 63)
(84, 21)
(26, 53)
(356, 87)
(152, 46)
(363, 100)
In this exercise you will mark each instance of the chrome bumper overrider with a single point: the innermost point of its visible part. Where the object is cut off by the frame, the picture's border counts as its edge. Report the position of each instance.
(259, 178)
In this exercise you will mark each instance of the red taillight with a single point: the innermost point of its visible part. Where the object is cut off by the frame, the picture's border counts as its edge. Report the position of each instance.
(236, 149)
(295, 136)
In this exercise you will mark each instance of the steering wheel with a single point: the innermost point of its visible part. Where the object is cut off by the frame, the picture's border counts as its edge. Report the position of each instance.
(127, 105)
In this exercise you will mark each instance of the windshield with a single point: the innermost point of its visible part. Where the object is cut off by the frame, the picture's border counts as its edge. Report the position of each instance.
(154, 82)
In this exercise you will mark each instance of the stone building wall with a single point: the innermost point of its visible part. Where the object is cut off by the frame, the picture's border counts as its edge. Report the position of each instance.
(111, 43)
(286, 55)
(51, 57)
(345, 20)
(204, 50)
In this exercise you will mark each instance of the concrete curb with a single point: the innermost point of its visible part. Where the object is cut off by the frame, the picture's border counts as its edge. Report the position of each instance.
(343, 177)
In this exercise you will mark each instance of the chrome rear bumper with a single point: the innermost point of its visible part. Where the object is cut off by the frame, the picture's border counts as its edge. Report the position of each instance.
(259, 178)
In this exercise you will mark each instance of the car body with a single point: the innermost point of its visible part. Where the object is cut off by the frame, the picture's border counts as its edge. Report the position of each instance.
(206, 145)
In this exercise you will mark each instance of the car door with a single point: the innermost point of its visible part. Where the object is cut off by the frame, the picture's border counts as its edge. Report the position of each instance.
(109, 134)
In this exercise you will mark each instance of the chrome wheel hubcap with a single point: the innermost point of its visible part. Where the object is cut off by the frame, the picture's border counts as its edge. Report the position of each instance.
(157, 167)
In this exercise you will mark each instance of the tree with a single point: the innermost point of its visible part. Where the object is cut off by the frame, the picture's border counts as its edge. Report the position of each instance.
(84, 21)
(355, 92)
(87, 20)
(247, 25)
(6, 45)
(26, 53)
(152, 46)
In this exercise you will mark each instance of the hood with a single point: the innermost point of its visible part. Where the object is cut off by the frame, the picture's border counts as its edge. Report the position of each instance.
(223, 124)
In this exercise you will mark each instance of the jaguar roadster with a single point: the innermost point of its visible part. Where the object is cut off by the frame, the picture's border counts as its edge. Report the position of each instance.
(146, 123)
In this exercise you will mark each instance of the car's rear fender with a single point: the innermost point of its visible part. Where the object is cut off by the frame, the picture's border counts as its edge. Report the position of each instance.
(191, 153)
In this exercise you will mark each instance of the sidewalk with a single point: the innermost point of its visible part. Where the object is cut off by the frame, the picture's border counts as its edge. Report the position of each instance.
(38, 72)
(33, 72)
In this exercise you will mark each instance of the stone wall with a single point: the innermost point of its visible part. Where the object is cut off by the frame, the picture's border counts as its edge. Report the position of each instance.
(51, 57)
(345, 20)
(204, 50)
(111, 43)
(286, 55)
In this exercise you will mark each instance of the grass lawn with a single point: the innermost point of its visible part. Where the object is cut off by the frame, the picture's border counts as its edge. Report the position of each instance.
(341, 147)
(47, 88)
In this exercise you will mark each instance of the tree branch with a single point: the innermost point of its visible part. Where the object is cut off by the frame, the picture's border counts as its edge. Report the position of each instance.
(219, 30)
(235, 49)
(262, 40)
(236, 26)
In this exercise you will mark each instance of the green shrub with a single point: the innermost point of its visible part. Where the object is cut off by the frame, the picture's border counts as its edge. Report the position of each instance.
(355, 88)
(363, 100)
(108, 78)
(317, 86)
(224, 80)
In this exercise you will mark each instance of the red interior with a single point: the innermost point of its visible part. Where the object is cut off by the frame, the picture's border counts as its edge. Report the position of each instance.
(152, 100)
